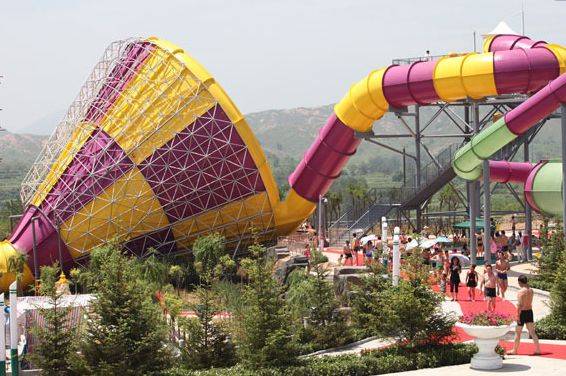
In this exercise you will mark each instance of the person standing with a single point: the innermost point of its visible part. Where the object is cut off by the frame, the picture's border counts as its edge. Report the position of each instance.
(356, 246)
(489, 281)
(520, 250)
(347, 252)
(472, 282)
(455, 269)
(501, 268)
(525, 315)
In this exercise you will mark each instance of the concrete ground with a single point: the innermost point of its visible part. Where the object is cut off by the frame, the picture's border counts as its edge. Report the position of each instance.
(516, 364)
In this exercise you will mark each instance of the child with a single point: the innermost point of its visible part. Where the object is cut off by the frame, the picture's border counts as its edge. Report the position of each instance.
(472, 282)
(443, 278)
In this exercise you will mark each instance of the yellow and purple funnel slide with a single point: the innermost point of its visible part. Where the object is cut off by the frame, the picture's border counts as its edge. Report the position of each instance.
(153, 153)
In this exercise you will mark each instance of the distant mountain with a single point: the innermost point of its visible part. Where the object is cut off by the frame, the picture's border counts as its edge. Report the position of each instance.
(286, 134)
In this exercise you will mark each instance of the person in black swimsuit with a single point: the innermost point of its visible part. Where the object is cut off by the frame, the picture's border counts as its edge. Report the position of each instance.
(472, 282)
(455, 269)
(525, 315)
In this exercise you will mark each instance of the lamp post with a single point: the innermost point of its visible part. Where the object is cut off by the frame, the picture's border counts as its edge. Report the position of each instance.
(14, 363)
(396, 256)
(384, 236)
(2, 337)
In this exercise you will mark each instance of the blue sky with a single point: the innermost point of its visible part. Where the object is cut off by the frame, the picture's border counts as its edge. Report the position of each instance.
(267, 54)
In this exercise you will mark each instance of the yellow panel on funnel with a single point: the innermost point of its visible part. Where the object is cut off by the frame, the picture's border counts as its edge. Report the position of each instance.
(230, 220)
(127, 207)
(162, 92)
(79, 136)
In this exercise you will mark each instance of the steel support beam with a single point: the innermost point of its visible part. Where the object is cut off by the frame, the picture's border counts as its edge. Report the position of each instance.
(528, 212)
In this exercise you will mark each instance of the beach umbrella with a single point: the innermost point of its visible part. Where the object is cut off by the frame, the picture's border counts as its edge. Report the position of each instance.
(368, 238)
(443, 239)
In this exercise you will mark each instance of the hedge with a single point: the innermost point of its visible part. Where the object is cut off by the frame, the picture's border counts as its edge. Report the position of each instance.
(393, 359)
(549, 328)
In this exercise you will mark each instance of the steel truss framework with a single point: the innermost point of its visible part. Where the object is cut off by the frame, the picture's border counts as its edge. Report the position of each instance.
(467, 118)
(102, 176)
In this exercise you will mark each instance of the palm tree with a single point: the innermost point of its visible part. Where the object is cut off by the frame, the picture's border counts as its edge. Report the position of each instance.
(16, 265)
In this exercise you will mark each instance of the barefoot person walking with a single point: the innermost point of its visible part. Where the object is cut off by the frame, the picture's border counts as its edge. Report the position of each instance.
(525, 315)
(489, 281)
(502, 267)
(472, 282)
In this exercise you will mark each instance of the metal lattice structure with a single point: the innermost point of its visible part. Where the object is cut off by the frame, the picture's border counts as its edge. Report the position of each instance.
(149, 154)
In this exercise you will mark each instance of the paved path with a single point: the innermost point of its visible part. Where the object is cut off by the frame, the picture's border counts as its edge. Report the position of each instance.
(516, 364)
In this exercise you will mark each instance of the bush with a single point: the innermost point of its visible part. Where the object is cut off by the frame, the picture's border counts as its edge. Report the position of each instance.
(207, 345)
(263, 336)
(56, 348)
(126, 333)
(410, 312)
(377, 362)
(315, 310)
(550, 328)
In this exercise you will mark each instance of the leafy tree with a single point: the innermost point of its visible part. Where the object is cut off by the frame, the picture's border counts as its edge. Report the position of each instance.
(367, 299)
(208, 251)
(177, 276)
(410, 312)
(263, 334)
(55, 352)
(125, 332)
(315, 308)
(207, 344)
(16, 265)
(558, 293)
(552, 256)
(154, 270)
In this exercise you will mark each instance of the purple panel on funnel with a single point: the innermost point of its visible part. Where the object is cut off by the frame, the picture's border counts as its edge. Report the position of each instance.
(98, 164)
(121, 74)
(523, 71)
(163, 241)
(204, 166)
(46, 239)
(314, 174)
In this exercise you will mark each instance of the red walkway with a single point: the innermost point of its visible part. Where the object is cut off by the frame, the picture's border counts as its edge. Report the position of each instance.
(503, 306)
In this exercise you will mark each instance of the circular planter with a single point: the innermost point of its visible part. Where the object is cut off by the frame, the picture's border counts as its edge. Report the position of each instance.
(486, 338)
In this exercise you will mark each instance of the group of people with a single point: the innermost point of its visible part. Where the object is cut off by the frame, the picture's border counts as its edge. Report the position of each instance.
(492, 282)
(351, 250)
(516, 242)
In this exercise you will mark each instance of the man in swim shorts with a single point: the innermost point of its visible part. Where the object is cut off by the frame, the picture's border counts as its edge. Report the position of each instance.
(489, 281)
(525, 315)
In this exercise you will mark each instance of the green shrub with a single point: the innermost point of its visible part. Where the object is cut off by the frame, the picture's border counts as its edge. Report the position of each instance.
(550, 328)
(263, 334)
(318, 323)
(376, 362)
(410, 312)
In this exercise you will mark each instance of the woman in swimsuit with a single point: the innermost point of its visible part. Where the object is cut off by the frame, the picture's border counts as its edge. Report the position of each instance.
(347, 253)
(501, 268)
(455, 269)
(472, 282)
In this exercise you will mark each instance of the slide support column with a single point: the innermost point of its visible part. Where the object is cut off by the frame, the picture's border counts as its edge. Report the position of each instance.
(486, 212)
(418, 163)
(528, 212)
